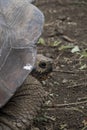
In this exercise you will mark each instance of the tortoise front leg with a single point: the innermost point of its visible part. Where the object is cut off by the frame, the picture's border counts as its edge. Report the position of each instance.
(20, 111)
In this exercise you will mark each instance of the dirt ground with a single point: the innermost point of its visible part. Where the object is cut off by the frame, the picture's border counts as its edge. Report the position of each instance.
(65, 41)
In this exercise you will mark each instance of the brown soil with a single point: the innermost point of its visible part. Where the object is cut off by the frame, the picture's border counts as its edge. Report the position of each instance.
(66, 106)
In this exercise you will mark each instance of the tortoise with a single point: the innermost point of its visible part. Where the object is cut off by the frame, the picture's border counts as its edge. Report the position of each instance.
(21, 24)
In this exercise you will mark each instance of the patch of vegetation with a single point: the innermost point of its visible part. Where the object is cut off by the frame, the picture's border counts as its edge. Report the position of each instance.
(65, 47)
(56, 43)
(41, 41)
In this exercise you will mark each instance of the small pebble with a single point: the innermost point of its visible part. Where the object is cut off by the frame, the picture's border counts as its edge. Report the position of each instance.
(35, 128)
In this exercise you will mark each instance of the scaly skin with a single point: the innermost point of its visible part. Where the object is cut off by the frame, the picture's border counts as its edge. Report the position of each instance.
(19, 112)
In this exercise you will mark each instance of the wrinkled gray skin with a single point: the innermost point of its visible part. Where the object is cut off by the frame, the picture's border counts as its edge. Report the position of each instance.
(19, 112)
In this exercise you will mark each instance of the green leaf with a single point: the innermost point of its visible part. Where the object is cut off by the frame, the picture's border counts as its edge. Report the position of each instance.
(65, 47)
(84, 54)
(63, 126)
(41, 41)
(83, 67)
(75, 49)
(56, 43)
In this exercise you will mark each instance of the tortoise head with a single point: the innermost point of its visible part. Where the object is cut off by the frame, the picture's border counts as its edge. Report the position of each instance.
(21, 24)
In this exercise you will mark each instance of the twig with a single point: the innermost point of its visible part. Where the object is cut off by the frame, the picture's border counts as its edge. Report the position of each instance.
(66, 105)
(75, 109)
(82, 98)
(84, 128)
(69, 72)
(62, 71)
(77, 85)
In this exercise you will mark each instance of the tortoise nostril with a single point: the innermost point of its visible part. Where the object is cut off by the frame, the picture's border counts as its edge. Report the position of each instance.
(42, 64)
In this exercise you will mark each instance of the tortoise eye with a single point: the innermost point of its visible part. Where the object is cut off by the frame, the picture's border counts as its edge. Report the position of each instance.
(42, 64)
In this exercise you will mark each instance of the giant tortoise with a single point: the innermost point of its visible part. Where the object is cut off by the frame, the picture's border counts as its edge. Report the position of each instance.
(21, 24)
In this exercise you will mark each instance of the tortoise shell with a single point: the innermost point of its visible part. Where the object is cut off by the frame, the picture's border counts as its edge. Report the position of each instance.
(21, 24)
